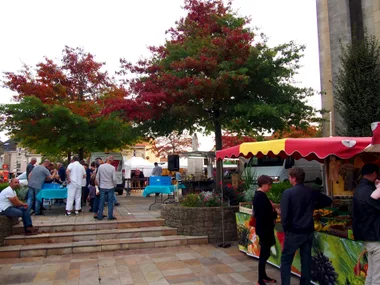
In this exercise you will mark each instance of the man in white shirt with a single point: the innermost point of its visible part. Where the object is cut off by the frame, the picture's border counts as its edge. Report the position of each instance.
(75, 173)
(11, 206)
(106, 179)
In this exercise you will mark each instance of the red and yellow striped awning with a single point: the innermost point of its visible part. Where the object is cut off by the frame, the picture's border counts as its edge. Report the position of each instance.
(309, 148)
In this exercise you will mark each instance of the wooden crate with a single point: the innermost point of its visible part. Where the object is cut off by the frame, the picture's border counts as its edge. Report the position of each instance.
(244, 209)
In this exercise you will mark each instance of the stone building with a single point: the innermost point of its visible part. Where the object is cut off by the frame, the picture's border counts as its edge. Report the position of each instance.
(340, 21)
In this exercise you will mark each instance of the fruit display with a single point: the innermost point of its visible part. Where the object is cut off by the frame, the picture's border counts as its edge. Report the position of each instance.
(243, 235)
(323, 212)
(322, 270)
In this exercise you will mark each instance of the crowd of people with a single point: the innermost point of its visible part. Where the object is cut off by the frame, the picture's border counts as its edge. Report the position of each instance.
(94, 185)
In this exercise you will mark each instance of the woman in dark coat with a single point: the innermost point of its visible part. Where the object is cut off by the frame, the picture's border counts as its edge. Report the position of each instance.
(265, 216)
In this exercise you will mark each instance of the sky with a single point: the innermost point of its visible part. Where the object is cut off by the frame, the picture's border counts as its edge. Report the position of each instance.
(117, 29)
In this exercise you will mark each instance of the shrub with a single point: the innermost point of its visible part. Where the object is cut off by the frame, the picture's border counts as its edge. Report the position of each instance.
(191, 200)
(275, 193)
(204, 199)
(3, 186)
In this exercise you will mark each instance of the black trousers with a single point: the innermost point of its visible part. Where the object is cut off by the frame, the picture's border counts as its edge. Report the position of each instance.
(293, 242)
(263, 258)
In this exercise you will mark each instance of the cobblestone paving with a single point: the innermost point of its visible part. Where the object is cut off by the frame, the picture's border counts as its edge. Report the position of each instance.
(191, 265)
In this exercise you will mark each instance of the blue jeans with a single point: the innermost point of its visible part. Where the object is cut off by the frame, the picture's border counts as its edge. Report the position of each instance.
(18, 212)
(110, 194)
(293, 242)
(33, 202)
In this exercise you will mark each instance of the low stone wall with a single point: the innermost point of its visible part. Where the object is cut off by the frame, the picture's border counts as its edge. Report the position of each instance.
(202, 221)
(5, 228)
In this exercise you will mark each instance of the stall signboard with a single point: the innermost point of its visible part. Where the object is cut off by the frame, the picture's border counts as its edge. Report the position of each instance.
(335, 260)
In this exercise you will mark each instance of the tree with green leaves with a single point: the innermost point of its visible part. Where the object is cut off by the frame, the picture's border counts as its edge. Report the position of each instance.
(212, 75)
(60, 104)
(357, 87)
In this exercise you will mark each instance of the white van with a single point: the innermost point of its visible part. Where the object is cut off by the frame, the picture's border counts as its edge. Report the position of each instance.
(277, 167)
(117, 163)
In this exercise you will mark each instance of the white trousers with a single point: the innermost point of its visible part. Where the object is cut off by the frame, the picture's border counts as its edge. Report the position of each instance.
(73, 194)
(373, 274)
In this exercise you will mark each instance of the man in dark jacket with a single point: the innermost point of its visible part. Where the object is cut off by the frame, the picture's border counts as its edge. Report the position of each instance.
(366, 220)
(297, 206)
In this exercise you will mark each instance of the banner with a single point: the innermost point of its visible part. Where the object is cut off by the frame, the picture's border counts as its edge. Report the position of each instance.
(335, 260)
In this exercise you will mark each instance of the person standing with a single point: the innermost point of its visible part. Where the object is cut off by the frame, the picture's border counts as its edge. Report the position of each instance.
(265, 216)
(297, 207)
(36, 178)
(157, 170)
(11, 206)
(61, 172)
(366, 220)
(106, 179)
(30, 166)
(75, 173)
(29, 169)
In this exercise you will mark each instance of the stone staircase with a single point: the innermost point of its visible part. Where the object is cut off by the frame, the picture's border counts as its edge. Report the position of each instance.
(94, 236)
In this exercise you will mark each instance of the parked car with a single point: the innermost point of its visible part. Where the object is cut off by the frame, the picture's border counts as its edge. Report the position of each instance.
(23, 179)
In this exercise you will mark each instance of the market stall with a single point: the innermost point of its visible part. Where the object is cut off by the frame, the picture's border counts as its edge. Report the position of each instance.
(337, 258)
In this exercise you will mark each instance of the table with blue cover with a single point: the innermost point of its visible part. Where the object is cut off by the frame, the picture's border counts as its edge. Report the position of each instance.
(52, 191)
(162, 189)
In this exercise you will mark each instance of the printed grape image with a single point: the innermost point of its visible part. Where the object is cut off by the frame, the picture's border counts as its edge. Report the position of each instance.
(243, 233)
(322, 270)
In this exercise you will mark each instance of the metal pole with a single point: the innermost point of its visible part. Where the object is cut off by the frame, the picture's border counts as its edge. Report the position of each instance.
(223, 244)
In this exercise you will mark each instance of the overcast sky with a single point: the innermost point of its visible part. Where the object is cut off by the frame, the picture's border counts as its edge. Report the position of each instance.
(113, 29)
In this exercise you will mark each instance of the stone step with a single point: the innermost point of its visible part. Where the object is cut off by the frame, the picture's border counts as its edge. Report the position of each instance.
(65, 237)
(46, 249)
(91, 225)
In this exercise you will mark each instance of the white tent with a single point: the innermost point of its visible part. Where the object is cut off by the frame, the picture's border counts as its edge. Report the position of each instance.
(138, 163)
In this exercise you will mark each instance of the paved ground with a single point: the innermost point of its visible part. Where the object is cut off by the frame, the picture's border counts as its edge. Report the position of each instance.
(131, 208)
(197, 265)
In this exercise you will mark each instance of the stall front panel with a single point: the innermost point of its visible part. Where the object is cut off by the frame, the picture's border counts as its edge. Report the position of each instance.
(335, 260)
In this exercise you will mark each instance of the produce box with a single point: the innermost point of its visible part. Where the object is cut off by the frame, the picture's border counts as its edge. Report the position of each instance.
(245, 207)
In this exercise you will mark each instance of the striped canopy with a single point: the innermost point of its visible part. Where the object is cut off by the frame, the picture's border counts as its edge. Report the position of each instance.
(309, 148)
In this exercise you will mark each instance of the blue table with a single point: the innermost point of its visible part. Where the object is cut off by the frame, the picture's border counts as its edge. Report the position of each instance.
(163, 189)
(51, 191)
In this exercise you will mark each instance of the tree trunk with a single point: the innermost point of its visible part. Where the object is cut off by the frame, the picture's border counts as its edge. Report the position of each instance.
(81, 153)
(68, 157)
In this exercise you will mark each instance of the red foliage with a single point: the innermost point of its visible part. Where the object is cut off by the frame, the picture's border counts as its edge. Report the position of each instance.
(296, 132)
(172, 144)
(230, 140)
(77, 82)
(169, 76)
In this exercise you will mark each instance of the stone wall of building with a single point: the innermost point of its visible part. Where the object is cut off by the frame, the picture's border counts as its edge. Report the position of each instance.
(202, 221)
(5, 228)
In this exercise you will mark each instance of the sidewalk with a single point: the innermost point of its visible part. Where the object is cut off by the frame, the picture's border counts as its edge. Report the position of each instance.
(191, 265)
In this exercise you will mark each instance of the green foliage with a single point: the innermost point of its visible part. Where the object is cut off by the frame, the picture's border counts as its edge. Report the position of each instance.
(204, 199)
(3, 186)
(56, 130)
(275, 193)
(212, 75)
(357, 87)
(249, 178)
(191, 200)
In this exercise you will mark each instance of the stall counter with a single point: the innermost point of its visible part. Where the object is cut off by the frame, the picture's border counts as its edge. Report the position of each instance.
(344, 260)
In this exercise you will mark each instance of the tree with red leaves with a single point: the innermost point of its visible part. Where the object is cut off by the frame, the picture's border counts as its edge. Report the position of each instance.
(211, 75)
(174, 143)
(298, 132)
(60, 104)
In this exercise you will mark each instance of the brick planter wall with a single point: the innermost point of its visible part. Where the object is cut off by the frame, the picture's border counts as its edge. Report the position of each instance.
(5, 228)
(202, 221)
